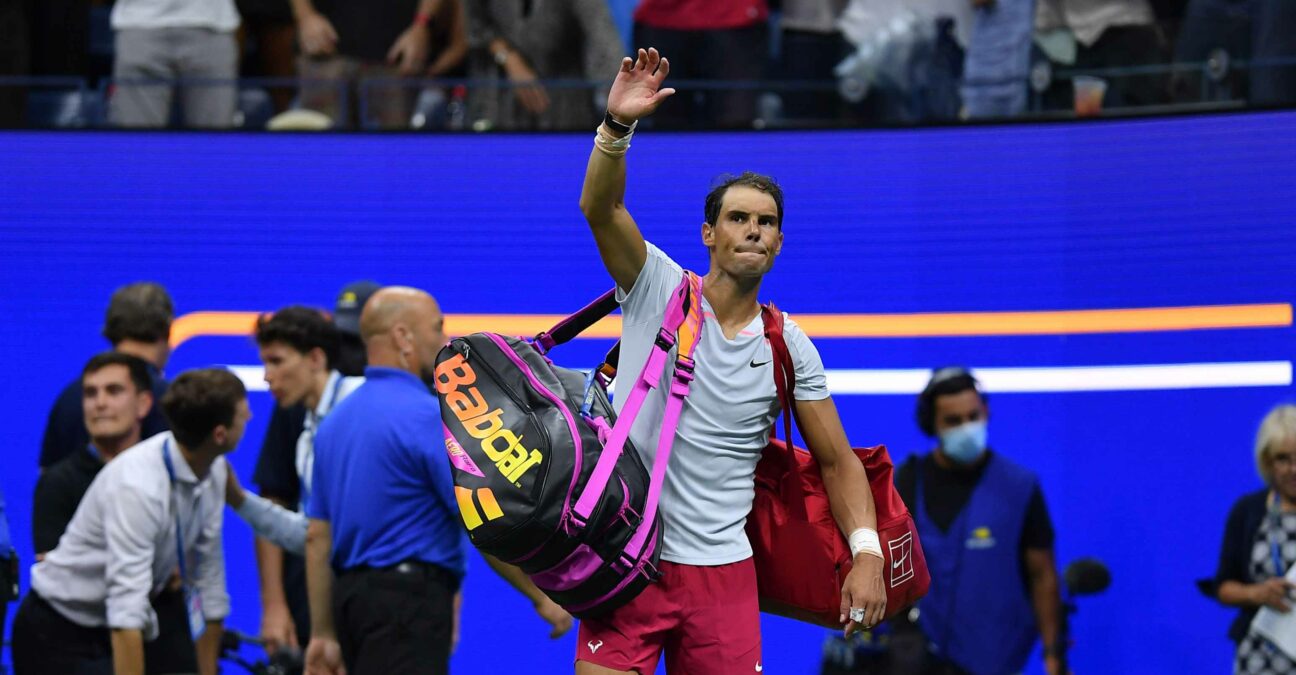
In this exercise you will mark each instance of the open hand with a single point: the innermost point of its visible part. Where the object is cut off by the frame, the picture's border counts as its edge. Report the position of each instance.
(637, 90)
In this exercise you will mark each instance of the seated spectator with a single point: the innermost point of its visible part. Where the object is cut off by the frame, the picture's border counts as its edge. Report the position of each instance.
(155, 508)
(345, 43)
(161, 41)
(1258, 546)
(1108, 34)
(116, 397)
(522, 41)
(138, 323)
(708, 40)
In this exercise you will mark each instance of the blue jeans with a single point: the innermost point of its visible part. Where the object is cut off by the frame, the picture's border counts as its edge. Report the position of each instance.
(997, 65)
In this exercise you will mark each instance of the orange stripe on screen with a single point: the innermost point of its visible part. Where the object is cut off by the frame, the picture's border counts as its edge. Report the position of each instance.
(947, 324)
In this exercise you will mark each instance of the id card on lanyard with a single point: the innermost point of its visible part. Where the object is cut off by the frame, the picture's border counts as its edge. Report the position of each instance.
(192, 596)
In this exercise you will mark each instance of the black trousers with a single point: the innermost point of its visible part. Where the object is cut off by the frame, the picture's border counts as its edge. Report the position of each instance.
(395, 620)
(732, 55)
(45, 641)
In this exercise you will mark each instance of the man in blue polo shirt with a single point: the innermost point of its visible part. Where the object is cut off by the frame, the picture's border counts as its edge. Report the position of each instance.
(384, 549)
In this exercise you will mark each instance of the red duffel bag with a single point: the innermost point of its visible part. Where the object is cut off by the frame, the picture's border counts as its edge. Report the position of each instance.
(801, 556)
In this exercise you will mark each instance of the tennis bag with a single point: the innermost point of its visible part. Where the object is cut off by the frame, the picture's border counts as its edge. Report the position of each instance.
(544, 473)
(801, 557)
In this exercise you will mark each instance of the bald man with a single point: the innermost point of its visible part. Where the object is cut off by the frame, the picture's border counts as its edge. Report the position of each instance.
(384, 548)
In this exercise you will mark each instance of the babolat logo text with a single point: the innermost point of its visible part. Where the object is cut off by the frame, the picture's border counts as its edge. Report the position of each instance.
(454, 380)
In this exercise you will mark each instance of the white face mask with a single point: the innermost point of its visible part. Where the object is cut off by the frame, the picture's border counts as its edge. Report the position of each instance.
(965, 443)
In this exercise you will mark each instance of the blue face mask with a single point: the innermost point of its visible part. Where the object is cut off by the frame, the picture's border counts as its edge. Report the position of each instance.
(966, 443)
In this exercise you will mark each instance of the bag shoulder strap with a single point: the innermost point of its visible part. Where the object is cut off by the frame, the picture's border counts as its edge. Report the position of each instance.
(567, 329)
(681, 326)
(784, 370)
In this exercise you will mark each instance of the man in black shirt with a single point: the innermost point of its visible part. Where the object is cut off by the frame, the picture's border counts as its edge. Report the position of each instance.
(987, 537)
(116, 399)
(138, 323)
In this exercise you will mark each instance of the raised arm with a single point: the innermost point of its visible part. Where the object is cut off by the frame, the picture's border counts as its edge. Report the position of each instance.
(635, 94)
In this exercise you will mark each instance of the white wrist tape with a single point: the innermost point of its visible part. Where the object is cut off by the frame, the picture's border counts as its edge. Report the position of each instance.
(865, 540)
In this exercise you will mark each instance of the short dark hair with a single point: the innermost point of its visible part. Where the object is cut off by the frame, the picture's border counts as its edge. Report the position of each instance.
(303, 329)
(139, 311)
(138, 369)
(749, 179)
(200, 400)
(944, 381)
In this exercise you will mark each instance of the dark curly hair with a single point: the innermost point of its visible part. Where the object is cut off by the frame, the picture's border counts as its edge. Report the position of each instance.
(303, 329)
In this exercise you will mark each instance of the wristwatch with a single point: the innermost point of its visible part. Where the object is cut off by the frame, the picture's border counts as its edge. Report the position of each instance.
(618, 126)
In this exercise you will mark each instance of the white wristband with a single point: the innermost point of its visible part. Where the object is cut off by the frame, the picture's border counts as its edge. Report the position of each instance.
(865, 540)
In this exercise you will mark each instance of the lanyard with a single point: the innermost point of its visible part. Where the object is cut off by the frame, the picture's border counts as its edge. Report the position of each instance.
(308, 461)
(1275, 528)
(166, 459)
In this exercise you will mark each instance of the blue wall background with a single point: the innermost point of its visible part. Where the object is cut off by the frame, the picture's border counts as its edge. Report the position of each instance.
(1185, 211)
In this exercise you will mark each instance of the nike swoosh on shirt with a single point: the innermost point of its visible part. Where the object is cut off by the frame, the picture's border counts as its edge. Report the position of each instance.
(753, 363)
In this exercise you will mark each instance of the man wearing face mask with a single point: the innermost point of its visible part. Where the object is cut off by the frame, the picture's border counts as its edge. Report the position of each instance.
(987, 537)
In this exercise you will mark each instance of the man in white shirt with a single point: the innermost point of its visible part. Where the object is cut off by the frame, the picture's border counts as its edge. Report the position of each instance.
(159, 41)
(704, 610)
(155, 509)
(300, 349)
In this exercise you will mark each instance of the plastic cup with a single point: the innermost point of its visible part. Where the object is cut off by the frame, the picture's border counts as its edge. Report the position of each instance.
(1089, 92)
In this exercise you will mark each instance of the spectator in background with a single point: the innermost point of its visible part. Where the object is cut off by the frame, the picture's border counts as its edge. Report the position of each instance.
(1212, 26)
(138, 322)
(268, 24)
(709, 40)
(522, 41)
(116, 398)
(300, 350)
(811, 46)
(344, 42)
(988, 540)
(997, 65)
(161, 41)
(1260, 546)
(155, 508)
(383, 515)
(1108, 34)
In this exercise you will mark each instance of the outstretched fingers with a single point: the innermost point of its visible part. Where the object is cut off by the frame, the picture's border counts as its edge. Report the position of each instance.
(663, 69)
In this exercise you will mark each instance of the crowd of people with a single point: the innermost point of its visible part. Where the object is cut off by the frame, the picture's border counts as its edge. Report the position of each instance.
(362, 553)
(532, 65)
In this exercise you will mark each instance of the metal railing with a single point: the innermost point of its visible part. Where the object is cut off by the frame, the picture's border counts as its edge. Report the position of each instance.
(485, 105)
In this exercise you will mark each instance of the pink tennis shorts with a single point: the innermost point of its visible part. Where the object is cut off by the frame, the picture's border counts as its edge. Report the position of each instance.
(706, 619)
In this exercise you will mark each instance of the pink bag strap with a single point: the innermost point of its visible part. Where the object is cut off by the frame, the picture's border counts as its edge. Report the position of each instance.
(682, 325)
